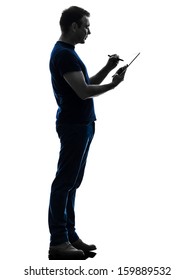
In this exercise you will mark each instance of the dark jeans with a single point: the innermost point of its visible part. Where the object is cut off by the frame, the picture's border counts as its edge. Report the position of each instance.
(75, 142)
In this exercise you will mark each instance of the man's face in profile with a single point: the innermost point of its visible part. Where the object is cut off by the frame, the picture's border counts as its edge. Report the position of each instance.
(83, 31)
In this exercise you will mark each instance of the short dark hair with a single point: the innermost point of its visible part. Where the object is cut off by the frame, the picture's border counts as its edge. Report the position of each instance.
(70, 15)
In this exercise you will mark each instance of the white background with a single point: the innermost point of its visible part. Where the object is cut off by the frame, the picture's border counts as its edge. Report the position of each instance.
(136, 200)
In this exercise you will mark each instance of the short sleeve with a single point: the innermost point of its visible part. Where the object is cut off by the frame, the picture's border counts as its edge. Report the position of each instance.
(66, 62)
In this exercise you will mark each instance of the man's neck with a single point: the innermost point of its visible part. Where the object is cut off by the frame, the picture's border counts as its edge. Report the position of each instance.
(66, 39)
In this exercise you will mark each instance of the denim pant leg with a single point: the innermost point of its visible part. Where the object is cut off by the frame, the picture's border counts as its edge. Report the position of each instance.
(75, 142)
(71, 201)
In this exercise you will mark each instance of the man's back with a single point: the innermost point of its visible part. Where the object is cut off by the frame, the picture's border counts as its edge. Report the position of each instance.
(72, 109)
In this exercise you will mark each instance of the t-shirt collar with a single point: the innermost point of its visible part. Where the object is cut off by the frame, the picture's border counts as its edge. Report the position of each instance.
(67, 45)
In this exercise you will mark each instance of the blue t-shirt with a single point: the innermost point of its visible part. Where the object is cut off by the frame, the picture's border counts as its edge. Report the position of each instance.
(71, 108)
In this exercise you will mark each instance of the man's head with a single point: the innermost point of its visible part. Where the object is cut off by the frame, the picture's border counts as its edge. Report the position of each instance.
(75, 20)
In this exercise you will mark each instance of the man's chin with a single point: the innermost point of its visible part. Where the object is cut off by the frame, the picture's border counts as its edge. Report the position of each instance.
(82, 42)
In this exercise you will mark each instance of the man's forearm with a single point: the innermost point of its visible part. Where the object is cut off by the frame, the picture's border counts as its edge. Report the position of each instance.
(100, 76)
(77, 82)
(96, 90)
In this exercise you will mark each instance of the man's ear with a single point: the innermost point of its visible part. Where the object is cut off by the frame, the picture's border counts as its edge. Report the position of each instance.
(74, 26)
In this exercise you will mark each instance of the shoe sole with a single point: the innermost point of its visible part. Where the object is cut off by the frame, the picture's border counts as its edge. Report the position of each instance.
(85, 249)
(66, 257)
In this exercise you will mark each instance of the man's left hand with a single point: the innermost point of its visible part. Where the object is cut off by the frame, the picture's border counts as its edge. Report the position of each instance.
(113, 61)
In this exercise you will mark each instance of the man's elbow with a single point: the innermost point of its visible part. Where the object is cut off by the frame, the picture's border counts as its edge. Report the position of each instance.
(85, 97)
(83, 94)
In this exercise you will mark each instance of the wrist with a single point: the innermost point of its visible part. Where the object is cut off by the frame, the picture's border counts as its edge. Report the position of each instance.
(112, 85)
(108, 68)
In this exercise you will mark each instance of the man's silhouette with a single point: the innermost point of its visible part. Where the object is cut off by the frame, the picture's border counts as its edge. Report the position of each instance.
(75, 125)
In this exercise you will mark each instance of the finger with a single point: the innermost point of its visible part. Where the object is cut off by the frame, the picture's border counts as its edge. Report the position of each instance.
(112, 55)
(115, 56)
(122, 75)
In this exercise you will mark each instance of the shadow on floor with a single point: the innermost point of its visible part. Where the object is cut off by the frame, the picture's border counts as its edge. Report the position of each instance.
(86, 256)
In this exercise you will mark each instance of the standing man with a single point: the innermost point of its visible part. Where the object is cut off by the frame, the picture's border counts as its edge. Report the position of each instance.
(74, 92)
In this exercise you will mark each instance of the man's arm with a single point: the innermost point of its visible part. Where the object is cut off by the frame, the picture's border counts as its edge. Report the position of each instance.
(101, 75)
(77, 82)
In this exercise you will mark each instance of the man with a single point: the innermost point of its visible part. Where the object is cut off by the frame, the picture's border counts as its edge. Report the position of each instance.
(74, 92)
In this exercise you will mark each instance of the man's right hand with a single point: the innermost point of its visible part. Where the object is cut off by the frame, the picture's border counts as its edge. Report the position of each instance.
(118, 78)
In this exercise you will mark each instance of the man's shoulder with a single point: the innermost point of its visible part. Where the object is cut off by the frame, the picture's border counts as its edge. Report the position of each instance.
(62, 50)
(64, 58)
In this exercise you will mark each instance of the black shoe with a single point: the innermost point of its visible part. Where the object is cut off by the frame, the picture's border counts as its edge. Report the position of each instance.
(65, 251)
(80, 245)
